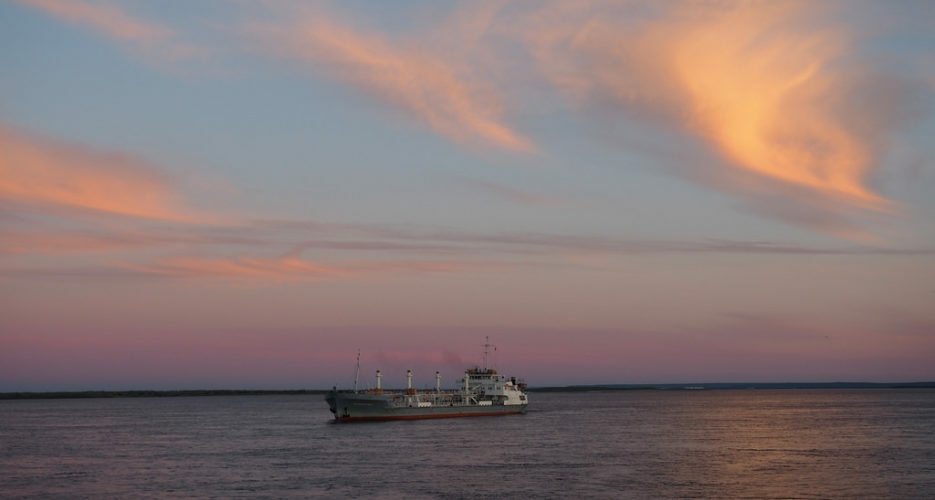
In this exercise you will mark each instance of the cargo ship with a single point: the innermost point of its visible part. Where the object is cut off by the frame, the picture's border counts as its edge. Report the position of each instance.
(482, 392)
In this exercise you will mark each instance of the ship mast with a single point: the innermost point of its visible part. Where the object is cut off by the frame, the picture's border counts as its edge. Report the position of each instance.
(357, 374)
(486, 347)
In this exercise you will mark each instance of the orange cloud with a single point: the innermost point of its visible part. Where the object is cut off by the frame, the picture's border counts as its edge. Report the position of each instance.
(446, 96)
(59, 177)
(762, 83)
(762, 92)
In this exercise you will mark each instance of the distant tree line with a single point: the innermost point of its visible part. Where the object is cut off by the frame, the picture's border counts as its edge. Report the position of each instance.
(151, 394)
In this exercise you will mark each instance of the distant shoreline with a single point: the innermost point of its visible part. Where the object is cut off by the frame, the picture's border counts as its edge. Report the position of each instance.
(152, 394)
(568, 388)
(736, 385)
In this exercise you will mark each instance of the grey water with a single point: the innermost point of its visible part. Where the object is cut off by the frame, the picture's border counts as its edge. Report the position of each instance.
(877, 443)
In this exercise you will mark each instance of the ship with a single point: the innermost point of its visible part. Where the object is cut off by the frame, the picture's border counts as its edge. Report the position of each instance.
(481, 392)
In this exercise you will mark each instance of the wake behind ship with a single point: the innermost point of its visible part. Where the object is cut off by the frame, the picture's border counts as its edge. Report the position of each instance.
(482, 392)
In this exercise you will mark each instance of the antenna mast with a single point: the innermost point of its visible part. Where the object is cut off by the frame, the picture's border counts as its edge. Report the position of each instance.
(357, 375)
(486, 347)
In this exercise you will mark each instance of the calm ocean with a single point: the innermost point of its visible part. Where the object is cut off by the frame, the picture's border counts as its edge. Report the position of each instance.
(642, 444)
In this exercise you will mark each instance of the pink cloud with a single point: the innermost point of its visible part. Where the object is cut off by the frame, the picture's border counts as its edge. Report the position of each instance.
(52, 176)
(103, 18)
(155, 39)
(447, 96)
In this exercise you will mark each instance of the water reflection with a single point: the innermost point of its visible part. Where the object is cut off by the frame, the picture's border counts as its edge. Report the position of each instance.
(779, 443)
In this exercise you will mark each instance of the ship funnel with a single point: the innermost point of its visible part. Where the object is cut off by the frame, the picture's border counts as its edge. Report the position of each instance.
(409, 379)
(438, 382)
(379, 375)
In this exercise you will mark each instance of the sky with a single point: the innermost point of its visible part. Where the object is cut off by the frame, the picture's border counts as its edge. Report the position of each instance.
(233, 194)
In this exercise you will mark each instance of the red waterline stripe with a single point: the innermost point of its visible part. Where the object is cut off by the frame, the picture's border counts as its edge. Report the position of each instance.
(420, 417)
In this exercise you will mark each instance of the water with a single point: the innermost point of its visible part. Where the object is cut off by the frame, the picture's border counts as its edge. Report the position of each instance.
(637, 444)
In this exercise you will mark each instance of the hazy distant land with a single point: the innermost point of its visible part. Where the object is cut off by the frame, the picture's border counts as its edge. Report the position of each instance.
(151, 394)
(566, 388)
(737, 385)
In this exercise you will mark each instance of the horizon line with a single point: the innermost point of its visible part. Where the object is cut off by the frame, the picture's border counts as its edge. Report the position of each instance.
(130, 393)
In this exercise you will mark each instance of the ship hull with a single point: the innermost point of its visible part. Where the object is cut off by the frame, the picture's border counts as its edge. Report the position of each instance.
(420, 415)
(355, 407)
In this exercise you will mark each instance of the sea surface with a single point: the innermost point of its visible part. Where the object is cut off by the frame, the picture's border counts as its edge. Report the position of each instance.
(877, 443)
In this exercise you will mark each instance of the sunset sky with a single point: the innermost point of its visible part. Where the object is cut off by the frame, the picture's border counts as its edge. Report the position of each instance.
(239, 194)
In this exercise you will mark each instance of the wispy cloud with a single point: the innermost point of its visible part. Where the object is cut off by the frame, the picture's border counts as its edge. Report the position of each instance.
(281, 269)
(507, 193)
(240, 253)
(154, 39)
(251, 270)
(546, 243)
(104, 18)
(97, 232)
(52, 176)
(60, 242)
(797, 119)
(773, 88)
(761, 86)
(445, 94)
